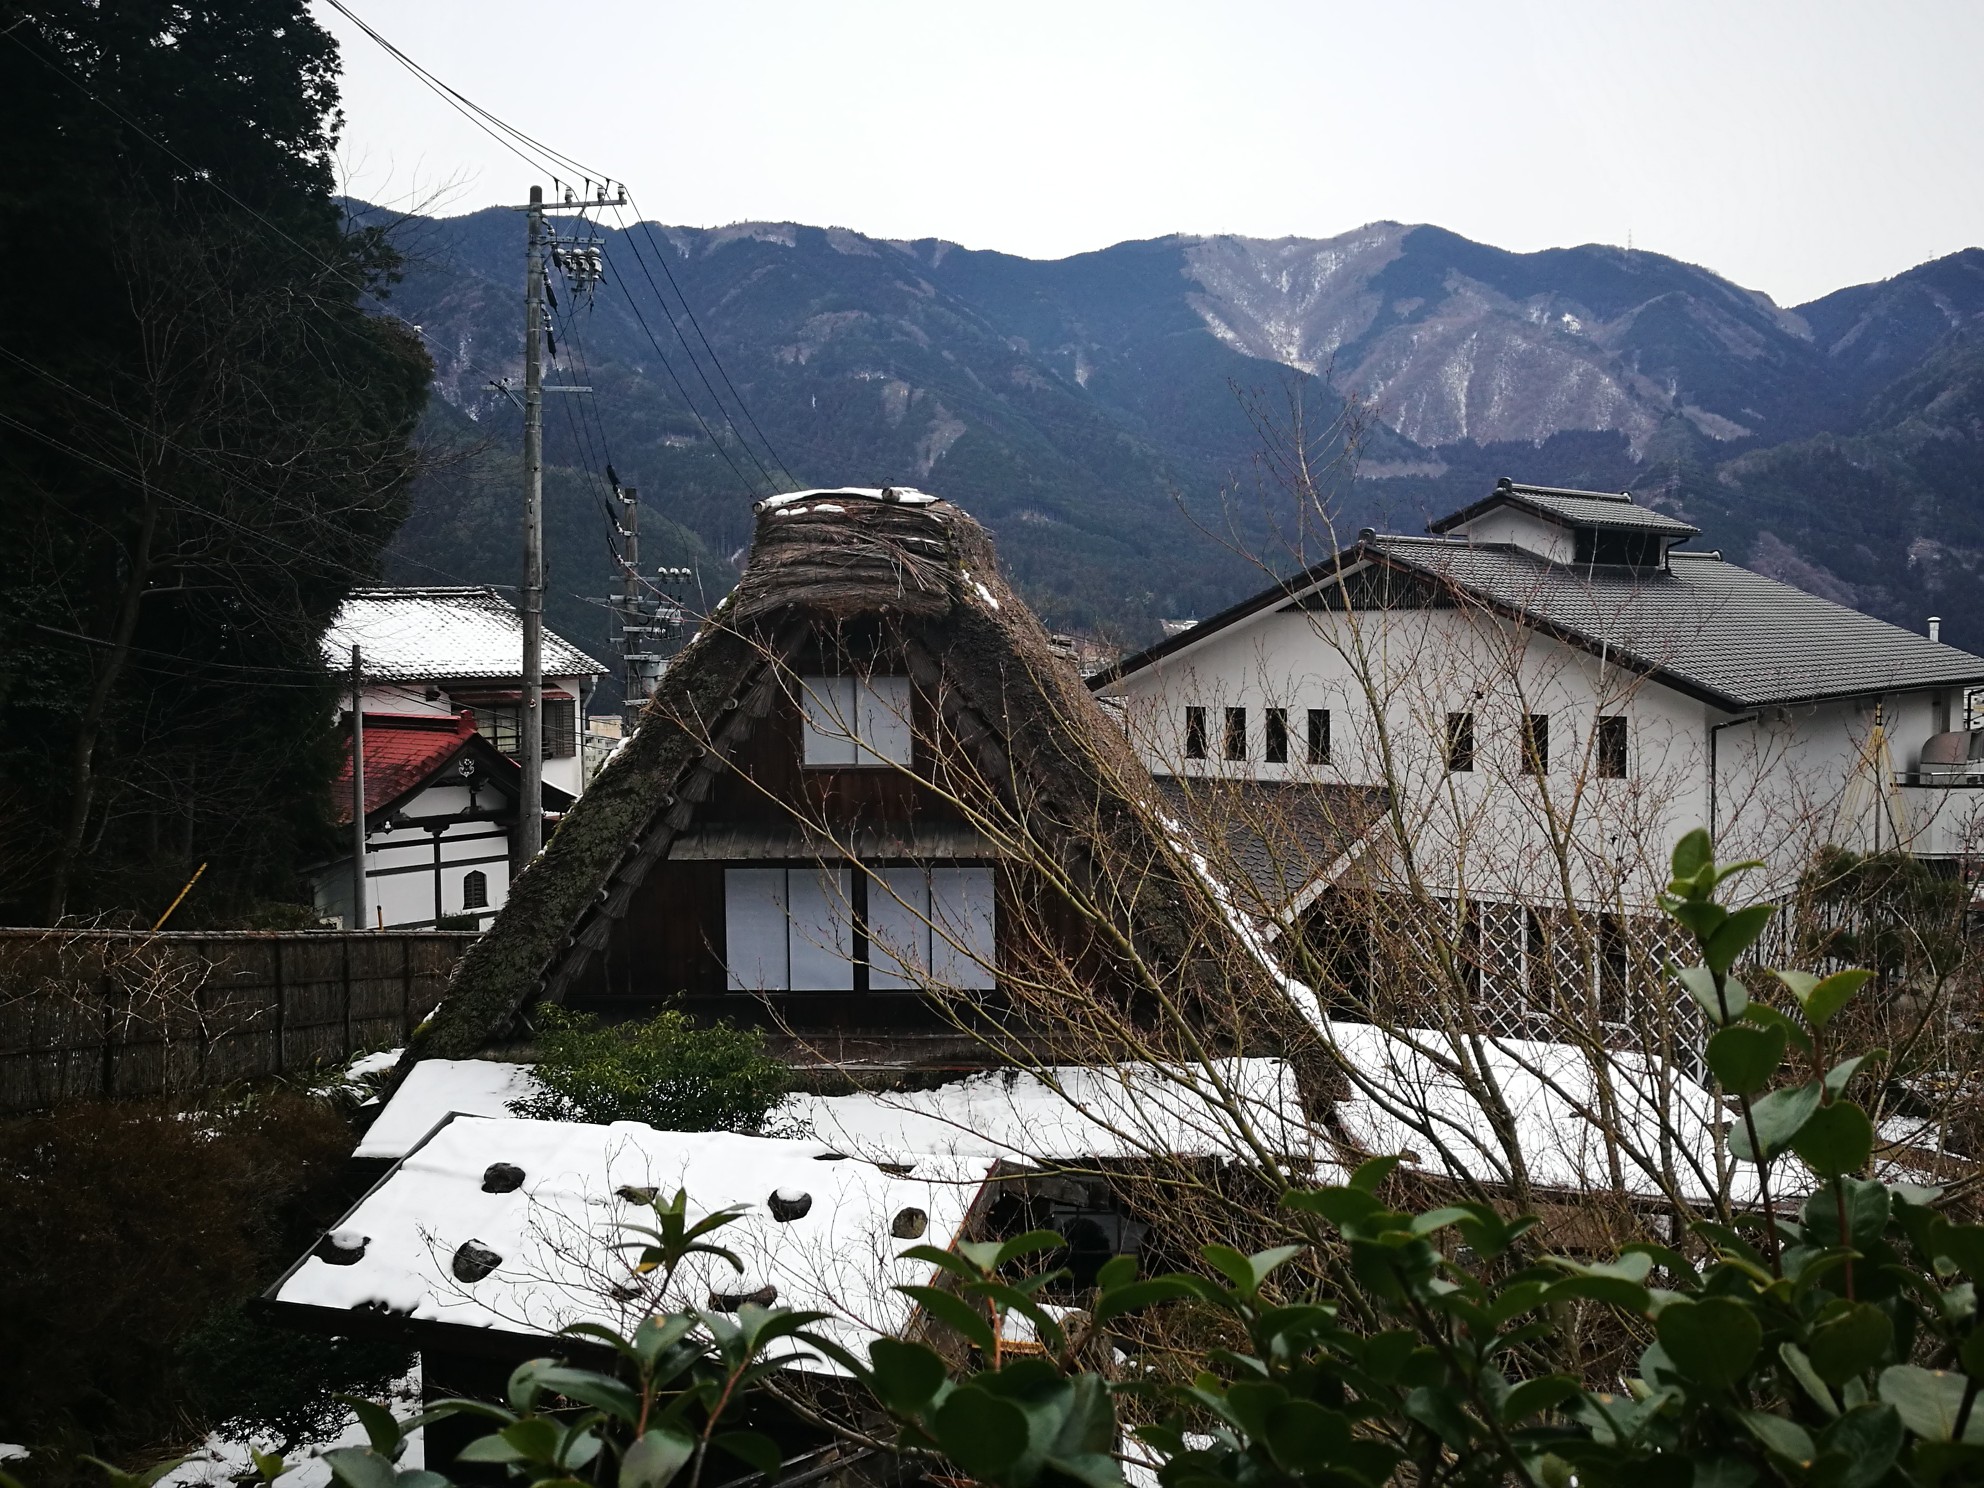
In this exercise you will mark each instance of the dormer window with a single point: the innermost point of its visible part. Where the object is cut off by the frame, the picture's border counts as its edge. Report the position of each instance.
(1620, 549)
(857, 722)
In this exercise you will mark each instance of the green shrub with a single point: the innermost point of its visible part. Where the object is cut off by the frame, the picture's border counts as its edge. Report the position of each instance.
(665, 1071)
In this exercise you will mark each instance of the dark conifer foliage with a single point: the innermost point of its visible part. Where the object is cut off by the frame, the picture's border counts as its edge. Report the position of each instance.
(204, 441)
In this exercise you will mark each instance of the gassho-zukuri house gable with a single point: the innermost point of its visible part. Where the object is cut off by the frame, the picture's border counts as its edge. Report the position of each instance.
(1740, 683)
(818, 824)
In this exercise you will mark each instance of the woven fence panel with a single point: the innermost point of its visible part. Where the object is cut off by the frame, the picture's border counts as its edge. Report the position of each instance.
(89, 1014)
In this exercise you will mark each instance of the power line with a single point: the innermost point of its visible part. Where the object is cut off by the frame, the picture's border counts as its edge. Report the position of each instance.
(689, 310)
(552, 161)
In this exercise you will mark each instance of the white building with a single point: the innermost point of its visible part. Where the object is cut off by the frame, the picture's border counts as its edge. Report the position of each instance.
(1548, 690)
(442, 687)
(440, 823)
(438, 651)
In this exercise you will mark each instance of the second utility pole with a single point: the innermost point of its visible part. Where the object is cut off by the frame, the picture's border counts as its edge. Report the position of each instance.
(530, 804)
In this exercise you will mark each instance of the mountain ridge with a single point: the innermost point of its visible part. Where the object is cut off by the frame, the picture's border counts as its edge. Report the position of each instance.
(1104, 412)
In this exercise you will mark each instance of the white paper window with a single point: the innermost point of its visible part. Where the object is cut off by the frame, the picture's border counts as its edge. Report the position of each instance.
(788, 930)
(931, 927)
(820, 939)
(898, 929)
(857, 721)
(962, 944)
(755, 930)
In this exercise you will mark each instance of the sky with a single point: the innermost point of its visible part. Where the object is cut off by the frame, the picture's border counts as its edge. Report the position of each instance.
(1794, 148)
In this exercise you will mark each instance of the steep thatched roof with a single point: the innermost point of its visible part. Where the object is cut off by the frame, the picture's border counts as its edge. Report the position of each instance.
(819, 561)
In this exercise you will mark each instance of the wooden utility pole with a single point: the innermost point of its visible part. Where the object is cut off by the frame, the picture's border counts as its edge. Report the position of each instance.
(358, 915)
(530, 806)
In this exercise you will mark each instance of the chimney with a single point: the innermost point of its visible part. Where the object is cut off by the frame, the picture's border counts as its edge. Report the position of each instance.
(1935, 627)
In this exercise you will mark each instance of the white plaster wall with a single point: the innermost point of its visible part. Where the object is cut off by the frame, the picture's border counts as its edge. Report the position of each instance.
(1782, 778)
(400, 871)
(1507, 524)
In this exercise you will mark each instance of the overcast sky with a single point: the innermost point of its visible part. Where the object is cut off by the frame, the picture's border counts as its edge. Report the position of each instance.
(1794, 148)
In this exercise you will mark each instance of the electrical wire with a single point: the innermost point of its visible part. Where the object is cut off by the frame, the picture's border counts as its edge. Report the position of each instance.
(552, 161)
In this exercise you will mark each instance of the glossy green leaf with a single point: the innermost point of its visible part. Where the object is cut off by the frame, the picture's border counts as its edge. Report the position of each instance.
(980, 1432)
(1832, 993)
(1780, 1437)
(361, 1467)
(1851, 1343)
(1533, 1395)
(1723, 1006)
(905, 1375)
(1736, 935)
(1869, 1437)
(654, 1458)
(1765, 1016)
(1694, 852)
(1744, 1057)
(1712, 1342)
(1373, 1171)
(1835, 1140)
(954, 1312)
(1137, 1295)
(1778, 1117)
(1929, 1401)
(1799, 1363)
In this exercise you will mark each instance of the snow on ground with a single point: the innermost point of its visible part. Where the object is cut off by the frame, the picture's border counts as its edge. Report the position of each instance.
(436, 1089)
(1065, 1113)
(219, 1460)
(557, 1229)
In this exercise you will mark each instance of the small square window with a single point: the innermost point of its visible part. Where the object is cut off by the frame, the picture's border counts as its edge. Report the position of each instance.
(1236, 733)
(1195, 733)
(851, 722)
(1319, 736)
(1274, 737)
(1460, 741)
(1612, 747)
(1536, 744)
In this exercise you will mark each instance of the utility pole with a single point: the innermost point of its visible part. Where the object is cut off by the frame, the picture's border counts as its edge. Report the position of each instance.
(358, 915)
(530, 807)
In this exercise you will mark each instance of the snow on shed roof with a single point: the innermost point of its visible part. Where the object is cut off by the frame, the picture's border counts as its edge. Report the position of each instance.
(435, 1089)
(1418, 1105)
(558, 1231)
(432, 634)
(1068, 1113)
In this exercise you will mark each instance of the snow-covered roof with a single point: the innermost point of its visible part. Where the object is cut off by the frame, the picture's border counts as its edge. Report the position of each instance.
(557, 1230)
(1068, 1113)
(1416, 1104)
(895, 495)
(422, 635)
(435, 1089)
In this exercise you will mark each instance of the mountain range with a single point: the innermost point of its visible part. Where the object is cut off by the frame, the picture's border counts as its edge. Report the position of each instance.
(1125, 420)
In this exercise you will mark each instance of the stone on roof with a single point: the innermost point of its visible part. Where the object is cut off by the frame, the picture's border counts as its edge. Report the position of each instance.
(434, 634)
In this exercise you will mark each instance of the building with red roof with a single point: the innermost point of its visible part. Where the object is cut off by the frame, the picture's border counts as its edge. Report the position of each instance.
(440, 823)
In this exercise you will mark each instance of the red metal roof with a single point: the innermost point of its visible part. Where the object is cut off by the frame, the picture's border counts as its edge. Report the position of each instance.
(402, 750)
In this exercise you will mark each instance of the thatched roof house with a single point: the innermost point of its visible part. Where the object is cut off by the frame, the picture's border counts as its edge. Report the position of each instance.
(869, 806)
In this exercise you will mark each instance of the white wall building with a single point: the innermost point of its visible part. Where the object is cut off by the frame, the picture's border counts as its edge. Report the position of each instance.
(1550, 689)
(439, 650)
(440, 824)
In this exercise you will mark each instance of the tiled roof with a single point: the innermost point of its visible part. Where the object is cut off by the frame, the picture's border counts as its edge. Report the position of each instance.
(1611, 510)
(1711, 626)
(424, 635)
(402, 750)
(1277, 834)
